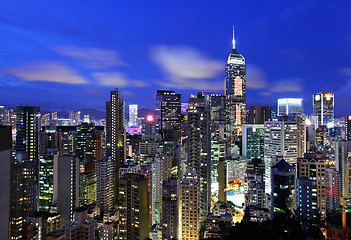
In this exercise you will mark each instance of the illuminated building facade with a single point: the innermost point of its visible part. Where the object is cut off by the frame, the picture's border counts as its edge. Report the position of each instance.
(198, 149)
(170, 209)
(348, 128)
(46, 180)
(105, 172)
(290, 106)
(189, 205)
(253, 141)
(134, 207)
(283, 187)
(115, 133)
(280, 141)
(315, 170)
(323, 107)
(133, 114)
(28, 128)
(235, 91)
(168, 109)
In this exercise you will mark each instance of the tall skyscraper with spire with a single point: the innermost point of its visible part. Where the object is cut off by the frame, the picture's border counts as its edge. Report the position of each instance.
(235, 91)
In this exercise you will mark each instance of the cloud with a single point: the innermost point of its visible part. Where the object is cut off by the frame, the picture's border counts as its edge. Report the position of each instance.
(96, 58)
(345, 71)
(287, 85)
(266, 94)
(117, 79)
(45, 71)
(256, 78)
(187, 68)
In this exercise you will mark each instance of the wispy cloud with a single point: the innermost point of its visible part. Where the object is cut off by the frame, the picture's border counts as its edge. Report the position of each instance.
(96, 58)
(256, 78)
(187, 68)
(45, 71)
(345, 71)
(287, 85)
(116, 79)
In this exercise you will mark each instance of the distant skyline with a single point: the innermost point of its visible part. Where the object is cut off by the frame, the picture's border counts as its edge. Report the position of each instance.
(70, 55)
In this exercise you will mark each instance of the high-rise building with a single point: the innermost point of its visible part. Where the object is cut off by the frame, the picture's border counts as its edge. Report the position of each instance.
(323, 107)
(46, 180)
(314, 169)
(342, 157)
(235, 91)
(290, 106)
(306, 197)
(198, 149)
(170, 209)
(283, 187)
(105, 171)
(280, 141)
(28, 128)
(115, 133)
(253, 141)
(5, 179)
(134, 207)
(189, 218)
(259, 114)
(23, 178)
(66, 186)
(40, 224)
(168, 109)
(348, 128)
(255, 195)
(133, 114)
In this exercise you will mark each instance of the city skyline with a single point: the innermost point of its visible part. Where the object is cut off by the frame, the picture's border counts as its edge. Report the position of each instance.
(71, 61)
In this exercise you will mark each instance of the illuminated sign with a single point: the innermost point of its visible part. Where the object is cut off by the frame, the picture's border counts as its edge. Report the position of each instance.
(150, 118)
(349, 118)
(317, 97)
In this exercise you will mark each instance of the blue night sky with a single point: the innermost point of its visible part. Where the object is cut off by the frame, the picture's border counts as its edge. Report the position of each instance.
(67, 55)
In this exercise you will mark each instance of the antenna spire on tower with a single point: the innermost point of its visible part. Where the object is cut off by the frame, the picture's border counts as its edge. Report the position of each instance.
(233, 39)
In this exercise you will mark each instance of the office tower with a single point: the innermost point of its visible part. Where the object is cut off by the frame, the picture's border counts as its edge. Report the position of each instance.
(46, 180)
(348, 128)
(306, 197)
(259, 114)
(48, 139)
(161, 171)
(198, 149)
(222, 180)
(342, 157)
(333, 189)
(280, 141)
(5, 179)
(133, 114)
(314, 169)
(283, 187)
(134, 207)
(290, 106)
(323, 107)
(66, 140)
(189, 219)
(23, 178)
(105, 171)
(87, 188)
(170, 209)
(216, 106)
(115, 133)
(81, 226)
(149, 126)
(235, 91)
(168, 109)
(256, 187)
(28, 128)
(40, 224)
(253, 141)
(66, 186)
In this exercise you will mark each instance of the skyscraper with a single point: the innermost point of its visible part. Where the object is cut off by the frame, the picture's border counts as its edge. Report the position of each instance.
(115, 133)
(235, 91)
(323, 107)
(259, 114)
(290, 106)
(28, 128)
(133, 114)
(168, 110)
